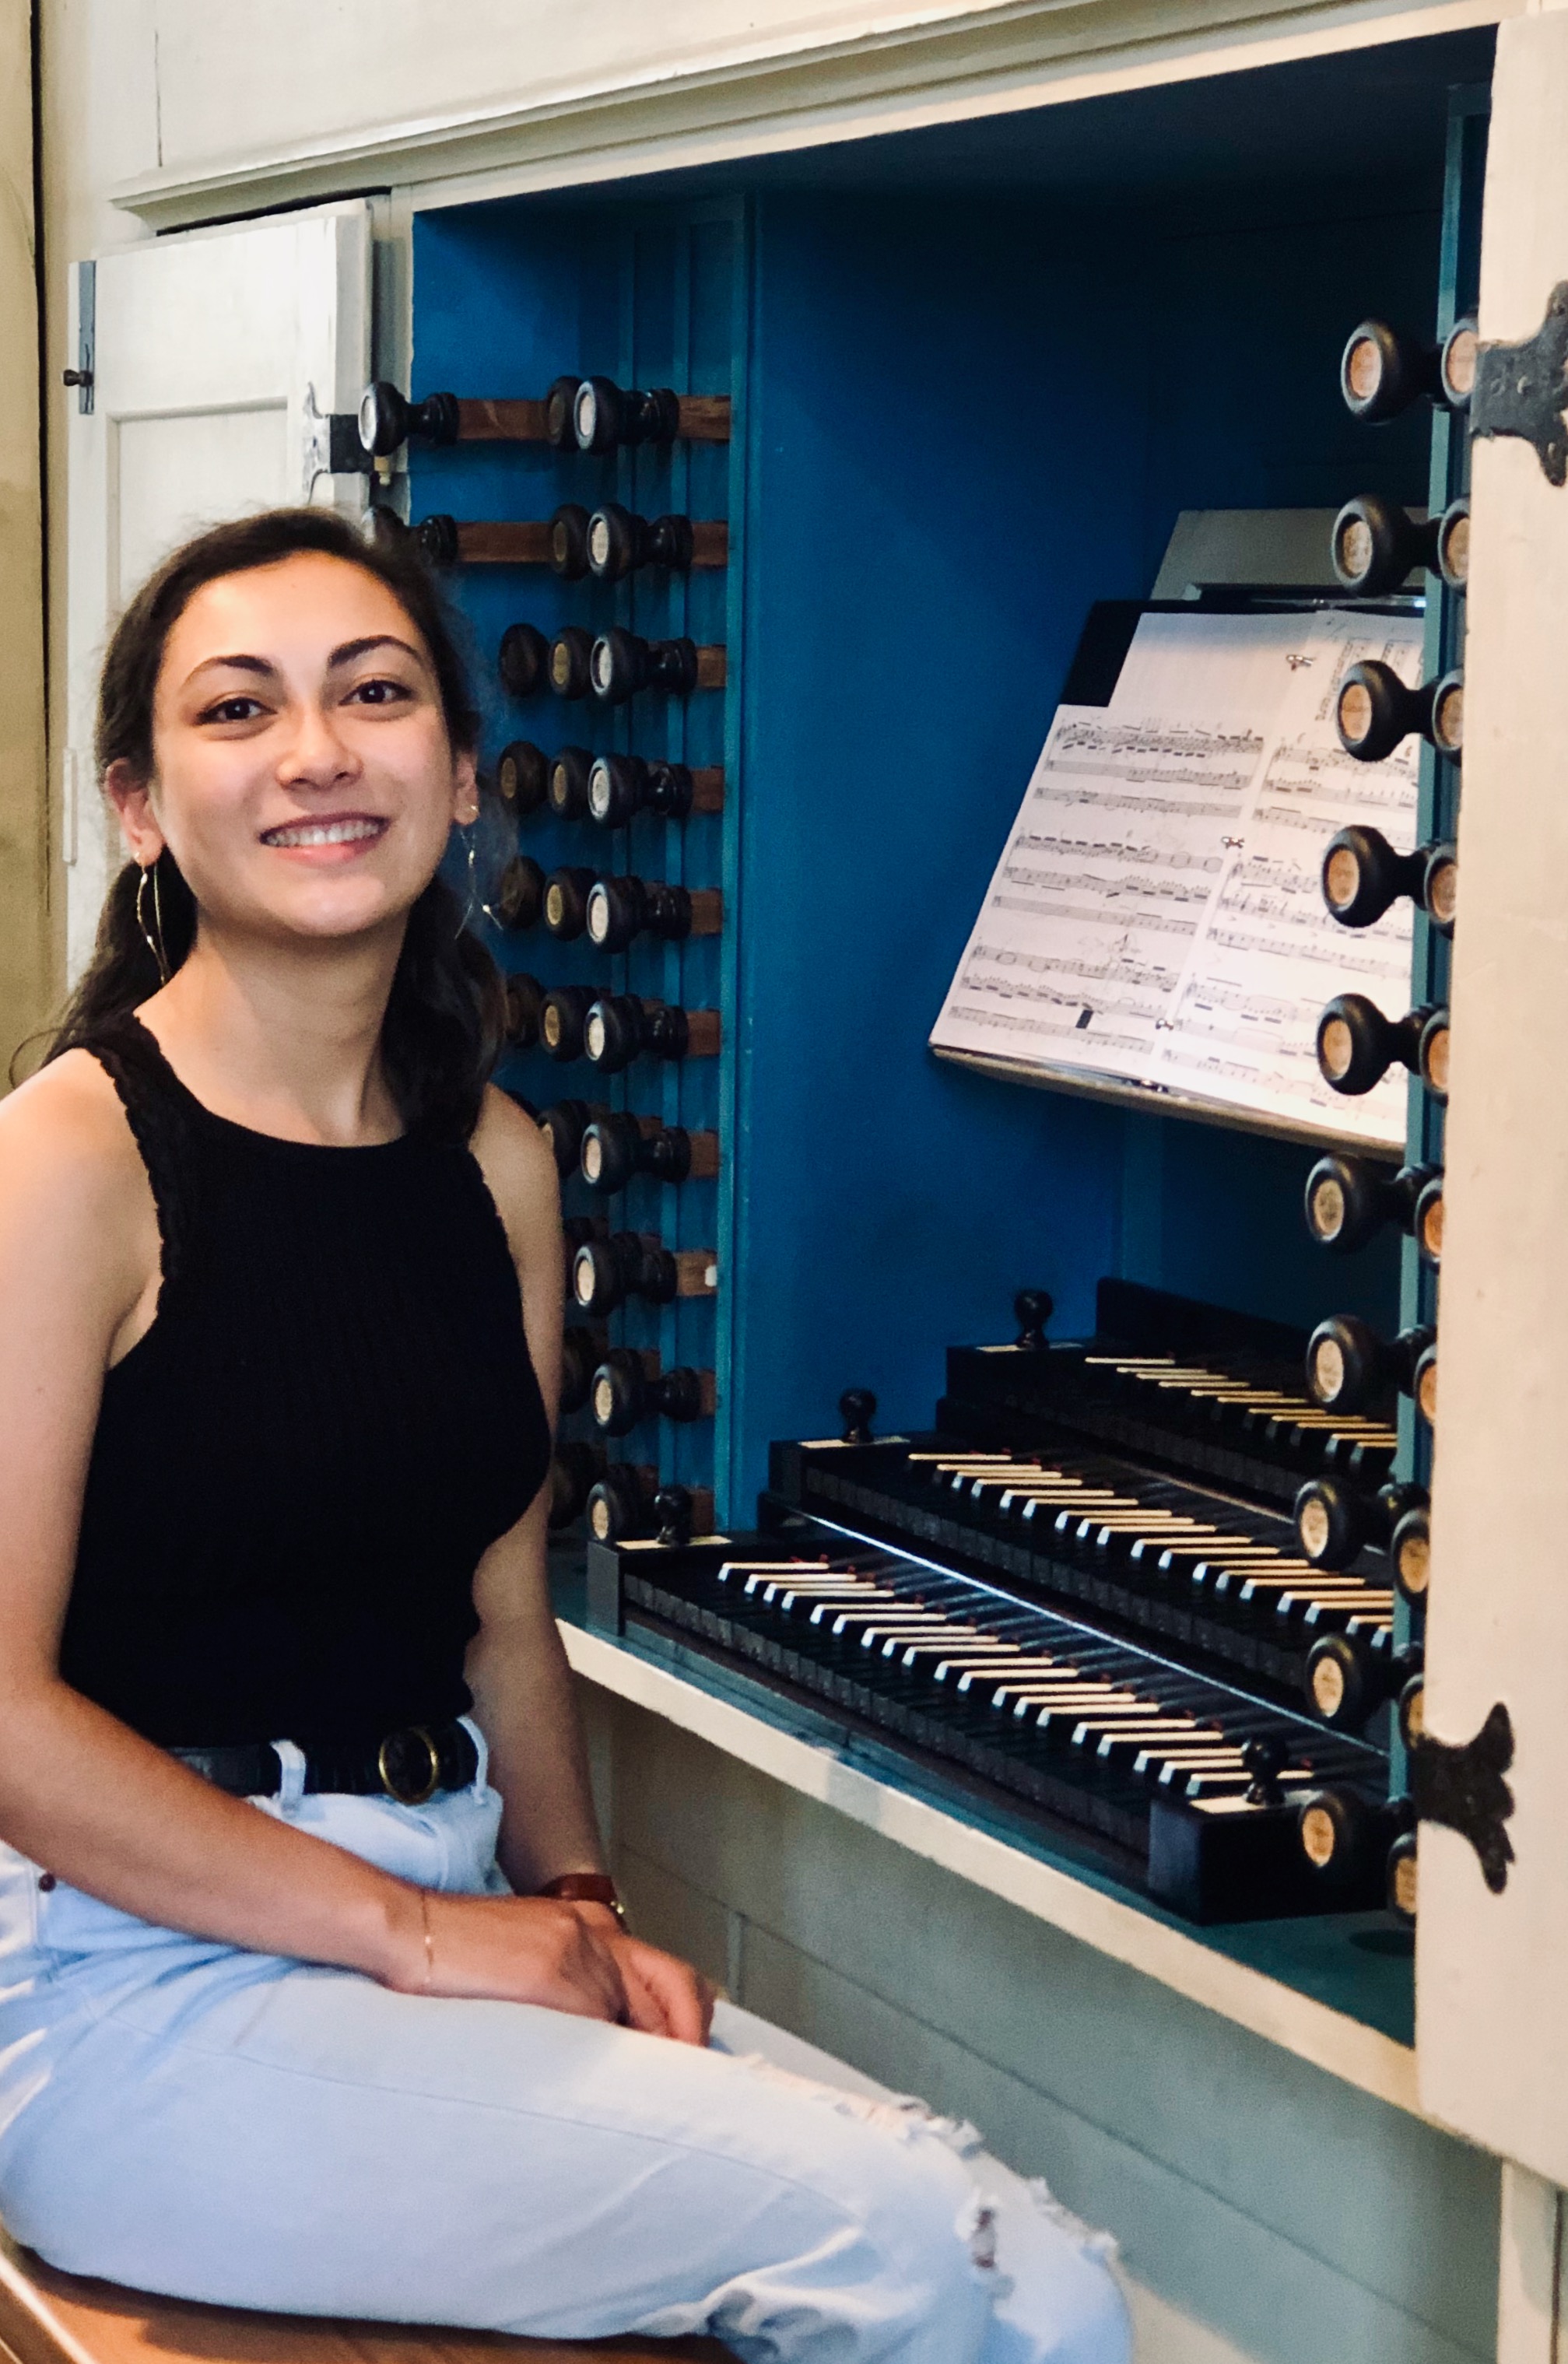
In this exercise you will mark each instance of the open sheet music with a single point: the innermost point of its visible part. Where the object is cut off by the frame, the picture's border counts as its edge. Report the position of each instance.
(1156, 917)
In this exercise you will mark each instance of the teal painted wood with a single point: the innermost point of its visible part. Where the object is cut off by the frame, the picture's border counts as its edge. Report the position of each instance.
(506, 299)
(1437, 808)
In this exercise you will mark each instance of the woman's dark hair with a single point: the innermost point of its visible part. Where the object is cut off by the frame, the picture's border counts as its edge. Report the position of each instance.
(444, 1017)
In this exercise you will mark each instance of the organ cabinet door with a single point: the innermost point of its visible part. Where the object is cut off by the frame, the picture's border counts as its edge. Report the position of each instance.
(1492, 1946)
(223, 372)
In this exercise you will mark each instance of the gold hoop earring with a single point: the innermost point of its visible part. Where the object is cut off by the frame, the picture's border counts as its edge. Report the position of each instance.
(152, 937)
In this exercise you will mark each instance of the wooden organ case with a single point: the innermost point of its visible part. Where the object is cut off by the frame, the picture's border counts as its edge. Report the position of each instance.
(777, 510)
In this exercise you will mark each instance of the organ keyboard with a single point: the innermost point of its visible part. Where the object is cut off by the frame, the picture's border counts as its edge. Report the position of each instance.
(1083, 1592)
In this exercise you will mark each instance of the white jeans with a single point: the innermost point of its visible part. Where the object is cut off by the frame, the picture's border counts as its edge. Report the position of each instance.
(186, 2117)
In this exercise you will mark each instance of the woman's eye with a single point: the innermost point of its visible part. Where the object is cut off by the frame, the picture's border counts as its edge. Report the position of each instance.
(233, 710)
(379, 692)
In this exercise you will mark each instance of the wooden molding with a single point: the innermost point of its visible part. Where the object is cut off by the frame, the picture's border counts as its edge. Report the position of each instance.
(995, 60)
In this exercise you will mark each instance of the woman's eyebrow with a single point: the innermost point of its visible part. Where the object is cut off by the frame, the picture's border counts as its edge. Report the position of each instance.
(352, 649)
(343, 655)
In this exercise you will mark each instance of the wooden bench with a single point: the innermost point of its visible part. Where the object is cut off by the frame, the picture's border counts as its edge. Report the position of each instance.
(47, 2318)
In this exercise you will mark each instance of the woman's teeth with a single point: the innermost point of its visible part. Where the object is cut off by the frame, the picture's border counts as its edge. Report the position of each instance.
(322, 833)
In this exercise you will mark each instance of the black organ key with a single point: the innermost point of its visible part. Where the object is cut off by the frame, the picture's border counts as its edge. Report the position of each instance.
(630, 1500)
(1340, 1831)
(1335, 1522)
(520, 897)
(569, 667)
(1383, 371)
(1356, 1044)
(1375, 544)
(1362, 877)
(567, 778)
(611, 1149)
(1409, 1554)
(1348, 1199)
(620, 1028)
(605, 417)
(629, 1387)
(562, 1018)
(1374, 709)
(523, 661)
(621, 909)
(618, 542)
(1349, 1367)
(619, 1502)
(563, 1126)
(581, 1349)
(571, 1474)
(522, 775)
(565, 907)
(1348, 1676)
(622, 786)
(619, 664)
(1399, 1889)
(605, 1272)
(524, 1003)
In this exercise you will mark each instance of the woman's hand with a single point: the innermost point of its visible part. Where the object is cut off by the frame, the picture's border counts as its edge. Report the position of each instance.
(509, 1949)
(664, 1995)
(570, 1957)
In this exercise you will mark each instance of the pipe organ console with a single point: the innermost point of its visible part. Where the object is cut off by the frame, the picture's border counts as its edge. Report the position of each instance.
(1158, 1590)
(1082, 1590)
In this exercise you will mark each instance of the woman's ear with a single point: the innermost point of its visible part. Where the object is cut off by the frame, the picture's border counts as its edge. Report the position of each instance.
(465, 790)
(132, 800)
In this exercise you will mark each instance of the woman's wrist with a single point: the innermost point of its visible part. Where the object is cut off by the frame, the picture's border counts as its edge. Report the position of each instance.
(586, 1888)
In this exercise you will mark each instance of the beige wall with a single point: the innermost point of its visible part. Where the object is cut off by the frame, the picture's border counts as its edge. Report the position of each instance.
(99, 127)
(24, 899)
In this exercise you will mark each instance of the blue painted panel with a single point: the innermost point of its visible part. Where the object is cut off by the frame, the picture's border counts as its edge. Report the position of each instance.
(962, 417)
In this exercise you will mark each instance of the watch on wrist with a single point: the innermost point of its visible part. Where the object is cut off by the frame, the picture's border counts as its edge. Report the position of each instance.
(585, 1887)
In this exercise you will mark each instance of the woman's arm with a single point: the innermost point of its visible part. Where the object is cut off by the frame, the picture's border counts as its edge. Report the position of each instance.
(79, 1791)
(516, 1666)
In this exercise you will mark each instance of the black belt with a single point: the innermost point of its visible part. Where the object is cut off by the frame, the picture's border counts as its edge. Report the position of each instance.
(409, 1765)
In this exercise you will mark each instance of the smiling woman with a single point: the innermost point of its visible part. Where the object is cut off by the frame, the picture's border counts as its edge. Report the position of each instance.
(173, 667)
(300, 1880)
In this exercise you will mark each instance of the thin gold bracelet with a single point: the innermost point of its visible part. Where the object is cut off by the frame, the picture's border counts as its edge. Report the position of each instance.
(430, 1942)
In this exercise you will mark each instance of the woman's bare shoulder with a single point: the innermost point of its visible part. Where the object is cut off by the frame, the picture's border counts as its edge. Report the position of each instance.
(74, 1199)
(516, 1161)
(68, 1120)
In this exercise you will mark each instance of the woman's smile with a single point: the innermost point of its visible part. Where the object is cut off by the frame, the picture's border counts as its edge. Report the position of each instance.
(329, 837)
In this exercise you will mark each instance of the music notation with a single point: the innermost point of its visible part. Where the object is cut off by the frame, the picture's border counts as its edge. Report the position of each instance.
(1188, 948)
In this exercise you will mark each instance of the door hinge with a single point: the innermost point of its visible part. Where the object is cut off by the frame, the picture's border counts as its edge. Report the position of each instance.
(82, 375)
(332, 445)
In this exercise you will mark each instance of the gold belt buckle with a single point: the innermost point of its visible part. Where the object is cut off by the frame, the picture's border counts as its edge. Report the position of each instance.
(391, 1747)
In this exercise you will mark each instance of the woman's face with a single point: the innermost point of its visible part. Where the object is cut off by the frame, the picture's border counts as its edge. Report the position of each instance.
(303, 778)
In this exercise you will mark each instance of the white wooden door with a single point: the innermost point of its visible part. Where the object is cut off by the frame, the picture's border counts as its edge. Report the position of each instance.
(1491, 1961)
(218, 360)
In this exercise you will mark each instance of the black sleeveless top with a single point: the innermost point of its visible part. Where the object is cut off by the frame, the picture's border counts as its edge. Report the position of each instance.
(297, 1469)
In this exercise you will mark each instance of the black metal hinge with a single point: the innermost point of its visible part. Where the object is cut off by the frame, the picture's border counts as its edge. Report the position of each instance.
(1523, 389)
